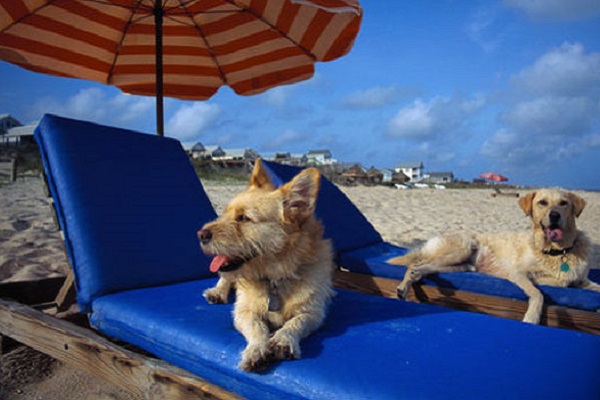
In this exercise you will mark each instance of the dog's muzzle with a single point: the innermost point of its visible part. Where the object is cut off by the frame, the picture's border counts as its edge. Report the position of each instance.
(205, 236)
(554, 232)
(220, 263)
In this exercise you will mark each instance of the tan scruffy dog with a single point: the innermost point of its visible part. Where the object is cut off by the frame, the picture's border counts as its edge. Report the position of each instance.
(269, 243)
(555, 253)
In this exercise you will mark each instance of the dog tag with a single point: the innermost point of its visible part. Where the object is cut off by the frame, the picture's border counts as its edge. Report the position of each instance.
(564, 267)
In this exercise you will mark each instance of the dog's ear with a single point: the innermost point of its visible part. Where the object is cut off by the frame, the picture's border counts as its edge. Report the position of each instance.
(578, 203)
(526, 203)
(300, 195)
(260, 177)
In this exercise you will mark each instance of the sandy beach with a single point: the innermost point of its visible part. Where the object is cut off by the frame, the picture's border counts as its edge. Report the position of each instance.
(31, 248)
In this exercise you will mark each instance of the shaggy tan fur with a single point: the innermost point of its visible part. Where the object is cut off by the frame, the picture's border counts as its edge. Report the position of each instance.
(270, 246)
(537, 258)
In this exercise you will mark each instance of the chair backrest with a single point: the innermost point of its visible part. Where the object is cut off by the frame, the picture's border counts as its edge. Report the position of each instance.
(129, 205)
(344, 224)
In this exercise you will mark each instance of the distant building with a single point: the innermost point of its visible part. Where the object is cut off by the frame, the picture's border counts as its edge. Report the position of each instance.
(390, 177)
(320, 157)
(287, 158)
(236, 155)
(213, 152)
(439, 177)
(413, 170)
(14, 132)
(7, 122)
(196, 151)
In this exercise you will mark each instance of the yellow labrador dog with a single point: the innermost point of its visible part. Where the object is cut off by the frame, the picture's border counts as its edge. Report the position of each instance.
(555, 253)
(269, 244)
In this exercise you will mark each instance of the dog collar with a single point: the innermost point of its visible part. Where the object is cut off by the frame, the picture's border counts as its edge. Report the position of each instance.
(564, 265)
(558, 252)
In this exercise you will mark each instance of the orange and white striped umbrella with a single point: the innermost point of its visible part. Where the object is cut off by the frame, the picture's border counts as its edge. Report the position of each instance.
(178, 48)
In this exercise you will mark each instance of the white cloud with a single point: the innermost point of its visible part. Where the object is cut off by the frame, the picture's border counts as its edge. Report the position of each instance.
(566, 70)
(547, 116)
(191, 119)
(514, 150)
(414, 121)
(424, 120)
(557, 10)
(556, 112)
(96, 105)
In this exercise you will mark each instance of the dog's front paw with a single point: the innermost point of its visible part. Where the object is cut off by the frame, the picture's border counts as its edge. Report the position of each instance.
(284, 347)
(215, 296)
(255, 358)
(402, 290)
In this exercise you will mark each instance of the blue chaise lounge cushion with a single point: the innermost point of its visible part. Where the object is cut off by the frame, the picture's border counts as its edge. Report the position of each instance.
(129, 205)
(370, 347)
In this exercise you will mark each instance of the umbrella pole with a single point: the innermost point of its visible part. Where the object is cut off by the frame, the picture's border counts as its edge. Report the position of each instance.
(158, 23)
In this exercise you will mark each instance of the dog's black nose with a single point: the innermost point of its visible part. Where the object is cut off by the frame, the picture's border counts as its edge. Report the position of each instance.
(554, 216)
(205, 235)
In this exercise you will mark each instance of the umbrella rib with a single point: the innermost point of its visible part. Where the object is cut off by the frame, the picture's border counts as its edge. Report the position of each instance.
(204, 39)
(272, 26)
(29, 14)
(120, 44)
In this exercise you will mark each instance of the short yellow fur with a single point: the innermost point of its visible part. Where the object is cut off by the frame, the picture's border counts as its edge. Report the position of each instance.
(519, 257)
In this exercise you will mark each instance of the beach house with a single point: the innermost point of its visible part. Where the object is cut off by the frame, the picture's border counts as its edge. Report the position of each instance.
(13, 132)
(287, 158)
(414, 170)
(237, 155)
(7, 122)
(320, 157)
(439, 177)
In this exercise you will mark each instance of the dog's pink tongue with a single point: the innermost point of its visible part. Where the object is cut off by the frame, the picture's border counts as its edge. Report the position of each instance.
(217, 262)
(554, 235)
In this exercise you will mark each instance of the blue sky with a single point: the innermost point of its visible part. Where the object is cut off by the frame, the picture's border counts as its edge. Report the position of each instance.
(511, 86)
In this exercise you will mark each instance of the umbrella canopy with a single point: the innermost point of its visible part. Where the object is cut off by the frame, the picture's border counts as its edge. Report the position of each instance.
(494, 177)
(178, 48)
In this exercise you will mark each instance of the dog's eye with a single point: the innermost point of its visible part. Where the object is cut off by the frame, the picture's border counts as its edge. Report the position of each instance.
(563, 203)
(241, 218)
(543, 203)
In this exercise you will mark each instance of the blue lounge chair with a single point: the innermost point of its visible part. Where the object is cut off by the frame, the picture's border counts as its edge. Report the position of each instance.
(130, 204)
(360, 249)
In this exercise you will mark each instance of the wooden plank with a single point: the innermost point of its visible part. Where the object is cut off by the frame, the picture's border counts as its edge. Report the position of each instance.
(67, 296)
(554, 316)
(82, 348)
(8, 167)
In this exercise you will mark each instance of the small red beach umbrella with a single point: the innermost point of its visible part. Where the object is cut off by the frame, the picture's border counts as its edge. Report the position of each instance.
(494, 177)
(178, 48)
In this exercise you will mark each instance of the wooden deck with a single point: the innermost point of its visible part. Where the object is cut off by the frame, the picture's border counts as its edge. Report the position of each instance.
(554, 316)
(32, 319)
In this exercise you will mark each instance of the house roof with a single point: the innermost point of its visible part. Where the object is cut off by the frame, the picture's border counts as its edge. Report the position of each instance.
(8, 116)
(20, 131)
(410, 164)
(12, 121)
(198, 147)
